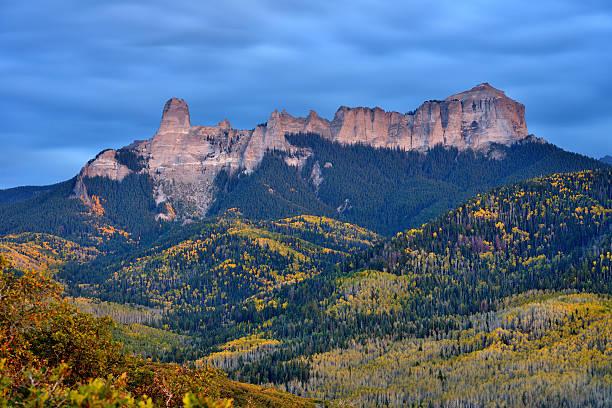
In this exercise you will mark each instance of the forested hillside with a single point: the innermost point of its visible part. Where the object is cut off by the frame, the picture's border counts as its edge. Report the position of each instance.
(265, 204)
(550, 234)
(385, 190)
(519, 276)
(195, 278)
(33, 251)
(51, 355)
(113, 216)
(539, 350)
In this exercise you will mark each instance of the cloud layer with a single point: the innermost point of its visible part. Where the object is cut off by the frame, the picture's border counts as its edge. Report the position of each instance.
(80, 76)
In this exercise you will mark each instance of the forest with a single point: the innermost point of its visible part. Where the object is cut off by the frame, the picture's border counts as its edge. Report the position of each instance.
(502, 300)
(551, 235)
(541, 349)
(385, 190)
(52, 355)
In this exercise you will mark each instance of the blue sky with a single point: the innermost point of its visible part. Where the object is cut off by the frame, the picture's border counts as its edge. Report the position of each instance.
(80, 76)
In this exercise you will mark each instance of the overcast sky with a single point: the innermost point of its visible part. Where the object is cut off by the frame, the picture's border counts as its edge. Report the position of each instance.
(80, 76)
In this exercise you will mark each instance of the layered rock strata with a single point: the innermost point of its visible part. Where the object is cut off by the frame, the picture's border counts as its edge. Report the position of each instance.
(184, 160)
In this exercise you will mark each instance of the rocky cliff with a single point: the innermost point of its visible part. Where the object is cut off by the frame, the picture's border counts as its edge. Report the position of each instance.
(184, 160)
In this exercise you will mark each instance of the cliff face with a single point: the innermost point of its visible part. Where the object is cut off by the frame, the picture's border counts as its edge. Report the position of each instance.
(470, 119)
(183, 160)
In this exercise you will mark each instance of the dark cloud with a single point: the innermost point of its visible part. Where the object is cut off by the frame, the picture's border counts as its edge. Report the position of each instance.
(77, 77)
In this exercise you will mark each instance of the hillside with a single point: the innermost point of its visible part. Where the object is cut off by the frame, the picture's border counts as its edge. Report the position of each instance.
(321, 308)
(32, 251)
(549, 234)
(539, 350)
(52, 355)
(384, 190)
(195, 277)
(117, 215)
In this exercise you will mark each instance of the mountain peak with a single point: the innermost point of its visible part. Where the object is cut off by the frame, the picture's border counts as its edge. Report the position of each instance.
(184, 160)
(607, 159)
(485, 86)
(175, 117)
(225, 124)
(480, 91)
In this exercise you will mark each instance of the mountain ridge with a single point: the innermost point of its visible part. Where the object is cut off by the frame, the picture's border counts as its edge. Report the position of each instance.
(186, 173)
(183, 159)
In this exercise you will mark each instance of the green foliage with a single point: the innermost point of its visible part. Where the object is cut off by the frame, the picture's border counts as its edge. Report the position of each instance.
(80, 340)
(229, 281)
(105, 394)
(150, 342)
(43, 251)
(193, 401)
(388, 190)
(274, 190)
(120, 214)
(196, 279)
(128, 204)
(50, 212)
(536, 235)
(51, 355)
(46, 389)
(130, 158)
(551, 352)
(38, 332)
(280, 302)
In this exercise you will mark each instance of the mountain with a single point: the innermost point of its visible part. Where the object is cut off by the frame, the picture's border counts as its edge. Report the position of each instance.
(363, 167)
(494, 278)
(385, 190)
(607, 159)
(376, 260)
(184, 160)
(16, 194)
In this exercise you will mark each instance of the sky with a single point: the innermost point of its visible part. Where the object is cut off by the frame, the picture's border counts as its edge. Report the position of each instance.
(77, 77)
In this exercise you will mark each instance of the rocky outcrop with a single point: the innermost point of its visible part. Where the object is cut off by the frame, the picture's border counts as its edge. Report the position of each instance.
(175, 117)
(316, 175)
(472, 119)
(106, 165)
(272, 135)
(184, 160)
